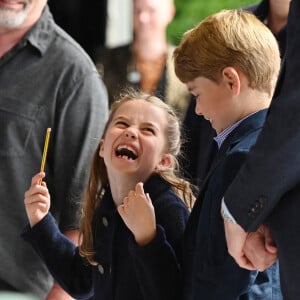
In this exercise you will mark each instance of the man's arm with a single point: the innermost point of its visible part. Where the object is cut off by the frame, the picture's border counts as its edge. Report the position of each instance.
(272, 166)
(85, 112)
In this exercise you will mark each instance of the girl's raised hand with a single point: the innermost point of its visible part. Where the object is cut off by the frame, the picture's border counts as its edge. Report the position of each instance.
(138, 214)
(37, 200)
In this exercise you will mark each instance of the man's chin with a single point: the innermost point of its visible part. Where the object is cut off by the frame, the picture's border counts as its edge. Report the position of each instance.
(11, 19)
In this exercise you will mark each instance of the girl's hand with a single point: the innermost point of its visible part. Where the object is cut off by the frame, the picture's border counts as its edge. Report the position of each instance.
(138, 214)
(37, 200)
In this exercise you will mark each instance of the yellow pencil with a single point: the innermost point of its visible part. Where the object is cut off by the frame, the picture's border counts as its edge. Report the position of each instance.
(45, 151)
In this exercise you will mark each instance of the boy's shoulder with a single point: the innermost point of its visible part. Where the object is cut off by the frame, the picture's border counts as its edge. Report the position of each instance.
(246, 133)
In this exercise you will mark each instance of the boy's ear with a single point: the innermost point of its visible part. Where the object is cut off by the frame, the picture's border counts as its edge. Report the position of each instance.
(101, 148)
(232, 79)
(165, 162)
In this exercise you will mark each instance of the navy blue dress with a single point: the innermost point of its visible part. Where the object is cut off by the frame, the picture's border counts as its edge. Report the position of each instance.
(125, 270)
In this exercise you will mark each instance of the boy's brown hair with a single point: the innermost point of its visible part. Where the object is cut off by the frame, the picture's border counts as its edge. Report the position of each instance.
(233, 38)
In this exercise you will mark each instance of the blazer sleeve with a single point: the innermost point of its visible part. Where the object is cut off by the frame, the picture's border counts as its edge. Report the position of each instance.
(273, 165)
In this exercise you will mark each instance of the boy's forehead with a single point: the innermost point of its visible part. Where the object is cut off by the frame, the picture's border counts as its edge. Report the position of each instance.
(192, 84)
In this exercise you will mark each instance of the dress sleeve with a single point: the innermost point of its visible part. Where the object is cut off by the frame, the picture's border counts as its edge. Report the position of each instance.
(157, 264)
(61, 257)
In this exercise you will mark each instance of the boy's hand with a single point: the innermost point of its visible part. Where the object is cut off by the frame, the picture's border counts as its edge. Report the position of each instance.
(37, 200)
(138, 214)
(236, 238)
(251, 250)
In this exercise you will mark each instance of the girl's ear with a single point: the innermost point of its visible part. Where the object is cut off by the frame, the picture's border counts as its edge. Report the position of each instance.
(232, 78)
(101, 148)
(165, 162)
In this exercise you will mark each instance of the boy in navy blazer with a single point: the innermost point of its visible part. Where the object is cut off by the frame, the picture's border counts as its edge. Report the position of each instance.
(230, 63)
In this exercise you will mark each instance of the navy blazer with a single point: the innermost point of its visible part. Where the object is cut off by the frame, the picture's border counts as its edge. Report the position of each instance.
(267, 188)
(125, 271)
(209, 271)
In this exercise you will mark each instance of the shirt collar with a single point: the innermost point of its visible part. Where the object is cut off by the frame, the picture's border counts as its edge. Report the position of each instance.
(220, 138)
(40, 35)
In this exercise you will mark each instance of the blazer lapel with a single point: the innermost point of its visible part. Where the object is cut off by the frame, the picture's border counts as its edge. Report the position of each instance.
(252, 123)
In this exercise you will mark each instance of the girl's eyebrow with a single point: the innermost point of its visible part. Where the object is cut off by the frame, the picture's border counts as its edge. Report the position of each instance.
(120, 118)
(148, 124)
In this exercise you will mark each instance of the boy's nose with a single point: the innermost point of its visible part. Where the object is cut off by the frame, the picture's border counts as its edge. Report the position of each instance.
(198, 110)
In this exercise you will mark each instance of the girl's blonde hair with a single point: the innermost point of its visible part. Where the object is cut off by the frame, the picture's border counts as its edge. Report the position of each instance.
(98, 180)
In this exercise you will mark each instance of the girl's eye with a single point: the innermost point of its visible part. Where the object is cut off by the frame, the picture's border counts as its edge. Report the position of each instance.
(121, 124)
(149, 129)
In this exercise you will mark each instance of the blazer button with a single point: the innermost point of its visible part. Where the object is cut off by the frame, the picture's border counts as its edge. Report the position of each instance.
(101, 269)
(262, 201)
(105, 221)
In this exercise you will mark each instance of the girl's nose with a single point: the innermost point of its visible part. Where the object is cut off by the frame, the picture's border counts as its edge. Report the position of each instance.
(130, 134)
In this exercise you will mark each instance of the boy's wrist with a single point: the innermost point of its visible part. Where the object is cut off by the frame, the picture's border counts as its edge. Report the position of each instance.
(225, 213)
(227, 218)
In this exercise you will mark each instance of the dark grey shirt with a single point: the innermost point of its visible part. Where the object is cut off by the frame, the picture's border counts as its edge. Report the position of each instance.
(46, 80)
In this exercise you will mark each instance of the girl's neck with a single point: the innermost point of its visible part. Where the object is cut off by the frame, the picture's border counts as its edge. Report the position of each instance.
(120, 187)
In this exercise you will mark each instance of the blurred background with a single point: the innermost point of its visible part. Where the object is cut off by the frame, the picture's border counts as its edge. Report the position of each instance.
(190, 12)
